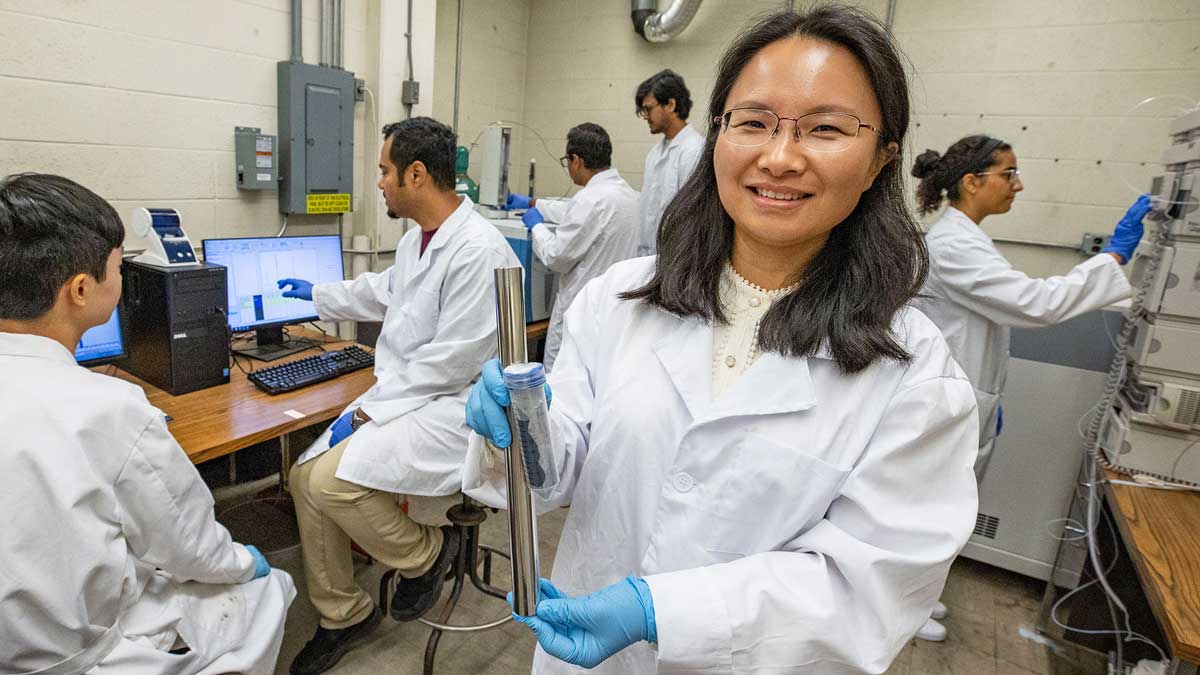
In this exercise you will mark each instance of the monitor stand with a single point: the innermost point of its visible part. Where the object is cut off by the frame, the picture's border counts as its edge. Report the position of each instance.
(270, 344)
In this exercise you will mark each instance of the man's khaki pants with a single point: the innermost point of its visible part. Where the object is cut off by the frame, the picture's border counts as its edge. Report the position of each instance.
(332, 512)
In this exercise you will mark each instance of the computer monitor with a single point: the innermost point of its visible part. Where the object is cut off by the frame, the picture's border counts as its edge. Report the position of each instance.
(255, 265)
(102, 344)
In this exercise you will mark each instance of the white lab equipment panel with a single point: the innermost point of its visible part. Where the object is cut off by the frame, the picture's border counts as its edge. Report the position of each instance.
(1166, 345)
(1153, 450)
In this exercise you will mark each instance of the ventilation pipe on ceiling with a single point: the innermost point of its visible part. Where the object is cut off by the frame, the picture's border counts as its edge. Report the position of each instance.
(658, 26)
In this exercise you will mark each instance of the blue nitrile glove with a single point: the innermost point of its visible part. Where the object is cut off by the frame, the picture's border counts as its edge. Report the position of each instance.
(261, 566)
(486, 404)
(341, 429)
(586, 630)
(300, 289)
(516, 200)
(1128, 232)
(999, 419)
(532, 217)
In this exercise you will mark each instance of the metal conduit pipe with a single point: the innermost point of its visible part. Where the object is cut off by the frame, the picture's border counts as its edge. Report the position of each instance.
(457, 59)
(339, 10)
(298, 31)
(658, 26)
(891, 14)
(323, 57)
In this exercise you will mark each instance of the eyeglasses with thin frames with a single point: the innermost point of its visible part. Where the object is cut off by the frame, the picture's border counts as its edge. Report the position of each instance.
(564, 160)
(1013, 174)
(819, 131)
(644, 111)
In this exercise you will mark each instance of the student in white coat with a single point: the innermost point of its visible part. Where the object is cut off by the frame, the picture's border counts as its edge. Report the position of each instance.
(975, 296)
(747, 426)
(406, 434)
(581, 237)
(111, 561)
(664, 101)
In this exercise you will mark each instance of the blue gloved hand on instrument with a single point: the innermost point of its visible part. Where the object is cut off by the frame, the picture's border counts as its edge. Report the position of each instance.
(532, 217)
(516, 200)
(586, 630)
(300, 289)
(1128, 232)
(341, 429)
(486, 404)
(261, 566)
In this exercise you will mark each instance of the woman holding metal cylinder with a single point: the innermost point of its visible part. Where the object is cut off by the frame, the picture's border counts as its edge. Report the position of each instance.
(766, 454)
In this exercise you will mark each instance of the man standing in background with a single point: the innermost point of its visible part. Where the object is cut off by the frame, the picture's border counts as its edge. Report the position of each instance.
(663, 101)
(581, 237)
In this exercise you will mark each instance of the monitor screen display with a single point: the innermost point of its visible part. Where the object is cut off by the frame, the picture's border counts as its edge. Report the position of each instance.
(256, 264)
(103, 343)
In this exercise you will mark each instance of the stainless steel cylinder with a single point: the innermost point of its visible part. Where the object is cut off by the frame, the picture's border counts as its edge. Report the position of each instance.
(522, 526)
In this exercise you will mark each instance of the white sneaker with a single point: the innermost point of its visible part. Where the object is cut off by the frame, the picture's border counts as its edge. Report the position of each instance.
(939, 611)
(932, 631)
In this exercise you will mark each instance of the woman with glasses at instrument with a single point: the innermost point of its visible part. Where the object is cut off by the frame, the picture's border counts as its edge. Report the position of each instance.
(746, 428)
(975, 296)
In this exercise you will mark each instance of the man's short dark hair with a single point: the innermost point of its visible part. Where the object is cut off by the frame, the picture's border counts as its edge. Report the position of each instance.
(591, 143)
(51, 228)
(424, 140)
(665, 85)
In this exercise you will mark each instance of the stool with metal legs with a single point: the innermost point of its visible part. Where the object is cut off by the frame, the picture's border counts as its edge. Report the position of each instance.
(466, 518)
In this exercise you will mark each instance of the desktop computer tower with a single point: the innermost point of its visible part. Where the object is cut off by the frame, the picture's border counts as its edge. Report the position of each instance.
(178, 335)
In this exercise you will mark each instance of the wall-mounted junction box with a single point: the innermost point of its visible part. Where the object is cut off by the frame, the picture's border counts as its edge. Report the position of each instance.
(316, 138)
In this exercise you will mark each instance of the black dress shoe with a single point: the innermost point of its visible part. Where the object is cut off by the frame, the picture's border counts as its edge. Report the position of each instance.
(414, 597)
(328, 646)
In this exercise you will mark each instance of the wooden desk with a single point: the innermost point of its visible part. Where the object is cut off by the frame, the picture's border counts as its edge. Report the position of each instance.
(537, 329)
(1160, 529)
(214, 422)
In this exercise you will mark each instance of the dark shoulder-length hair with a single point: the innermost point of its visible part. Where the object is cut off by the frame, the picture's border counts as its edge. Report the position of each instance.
(873, 262)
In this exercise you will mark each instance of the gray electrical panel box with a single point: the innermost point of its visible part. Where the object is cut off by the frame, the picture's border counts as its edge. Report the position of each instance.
(316, 138)
(256, 157)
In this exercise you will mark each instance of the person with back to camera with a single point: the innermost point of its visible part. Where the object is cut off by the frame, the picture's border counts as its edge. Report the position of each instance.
(581, 237)
(975, 296)
(746, 426)
(112, 562)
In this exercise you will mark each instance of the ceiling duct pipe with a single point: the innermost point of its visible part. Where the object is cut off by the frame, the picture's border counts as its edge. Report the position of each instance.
(658, 26)
(298, 31)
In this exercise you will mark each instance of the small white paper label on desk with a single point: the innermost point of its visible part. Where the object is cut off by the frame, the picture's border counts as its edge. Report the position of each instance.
(294, 414)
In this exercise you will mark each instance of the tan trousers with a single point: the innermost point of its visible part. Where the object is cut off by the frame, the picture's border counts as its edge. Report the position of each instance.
(332, 512)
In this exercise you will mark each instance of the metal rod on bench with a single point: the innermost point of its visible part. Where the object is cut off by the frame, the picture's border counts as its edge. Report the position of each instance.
(522, 528)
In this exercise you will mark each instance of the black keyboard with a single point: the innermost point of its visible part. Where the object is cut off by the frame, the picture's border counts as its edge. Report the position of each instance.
(311, 369)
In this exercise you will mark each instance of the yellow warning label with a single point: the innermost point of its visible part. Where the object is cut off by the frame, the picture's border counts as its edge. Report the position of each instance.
(328, 203)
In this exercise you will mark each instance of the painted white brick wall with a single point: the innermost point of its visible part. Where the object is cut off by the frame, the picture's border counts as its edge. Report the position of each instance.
(495, 35)
(1061, 82)
(137, 100)
(1057, 80)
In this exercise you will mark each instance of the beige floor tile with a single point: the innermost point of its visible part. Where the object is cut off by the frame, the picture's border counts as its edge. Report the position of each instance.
(975, 630)
(950, 658)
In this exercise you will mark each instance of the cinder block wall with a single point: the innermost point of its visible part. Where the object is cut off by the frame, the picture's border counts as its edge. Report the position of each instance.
(1060, 81)
(494, 54)
(137, 100)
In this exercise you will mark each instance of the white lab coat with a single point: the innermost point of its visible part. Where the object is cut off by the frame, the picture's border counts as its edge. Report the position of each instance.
(96, 494)
(787, 526)
(668, 164)
(974, 296)
(439, 326)
(591, 231)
